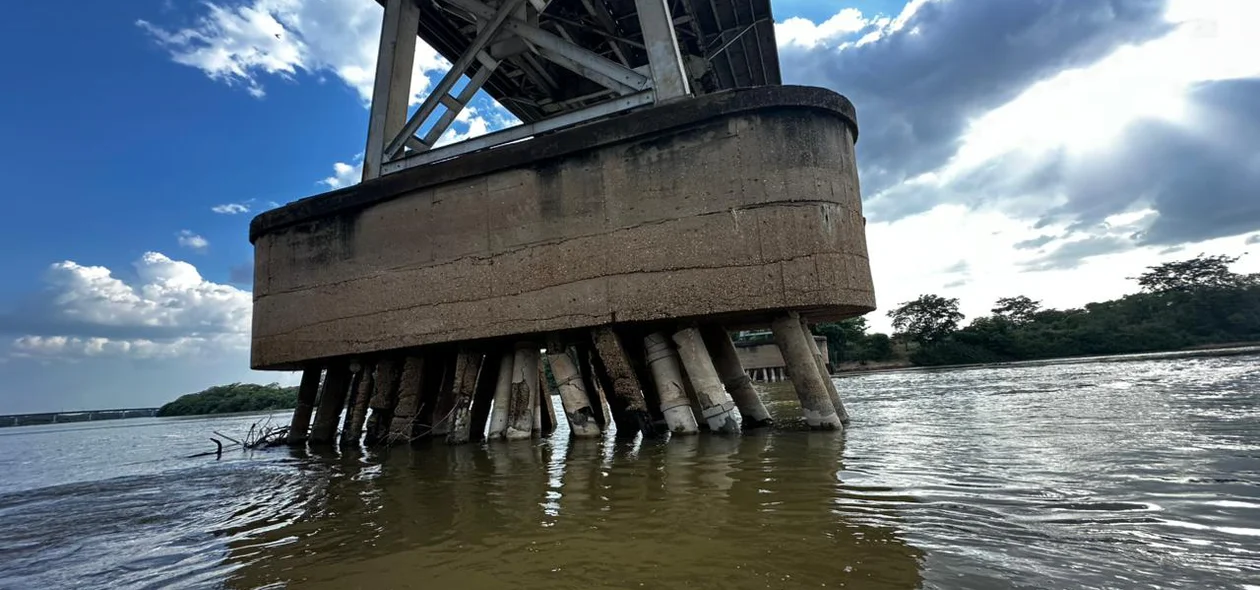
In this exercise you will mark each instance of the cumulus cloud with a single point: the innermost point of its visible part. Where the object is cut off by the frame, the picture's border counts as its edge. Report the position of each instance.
(230, 208)
(169, 310)
(345, 174)
(243, 45)
(190, 240)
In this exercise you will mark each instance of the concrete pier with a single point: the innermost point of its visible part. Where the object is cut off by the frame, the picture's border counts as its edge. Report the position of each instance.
(577, 229)
(332, 400)
(467, 366)
(381, 406)
(502, 394)
(356, 410)
(523, 397)
(583, 422)
(736, 381)
(821, 362)
(667, 376)
(623, 388)
(802, 370)
(308, 389)
(715, 403)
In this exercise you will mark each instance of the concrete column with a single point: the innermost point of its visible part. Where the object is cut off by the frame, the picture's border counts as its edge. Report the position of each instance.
(625, 393)
(832, 392)
(467, 365)
(718, 407)
(594, 392)
(484, 397)
(736, 381)
(308, 389)
(666, 369)
(355, 418)
(815, 402)
(384, 395)
(546, 410)
(402, 424)
(332, 400)
(502, 392)
(522, 400)
(573, 395)
(444, 404)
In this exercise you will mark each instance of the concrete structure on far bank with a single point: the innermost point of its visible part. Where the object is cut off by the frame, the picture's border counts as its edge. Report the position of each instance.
(657, 196)
(763, 361)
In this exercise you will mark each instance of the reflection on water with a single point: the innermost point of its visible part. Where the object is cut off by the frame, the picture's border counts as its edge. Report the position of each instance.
(699, 512)
(1094, 475)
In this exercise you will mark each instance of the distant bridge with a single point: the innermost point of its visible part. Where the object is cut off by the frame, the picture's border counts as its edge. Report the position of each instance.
(86, 416)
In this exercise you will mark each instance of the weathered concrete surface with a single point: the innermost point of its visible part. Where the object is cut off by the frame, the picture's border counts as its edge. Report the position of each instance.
(801, 368)
(308, 390)
(725, 206)
(733, 377)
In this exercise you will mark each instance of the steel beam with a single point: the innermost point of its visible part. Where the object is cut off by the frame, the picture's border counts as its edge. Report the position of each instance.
(392, 89)
(495, 19)
(543, 40)
(669, 77)
(520, 132)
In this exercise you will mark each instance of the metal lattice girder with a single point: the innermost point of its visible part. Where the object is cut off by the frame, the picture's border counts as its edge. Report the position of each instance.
(495, 21)
(576, 58)
(512, 134)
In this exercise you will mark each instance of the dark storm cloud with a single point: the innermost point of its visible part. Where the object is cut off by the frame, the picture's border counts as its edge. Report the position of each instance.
(915, 90)
(1202, 176)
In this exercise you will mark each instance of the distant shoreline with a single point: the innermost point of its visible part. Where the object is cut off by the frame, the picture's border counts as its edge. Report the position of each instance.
(1228, 349)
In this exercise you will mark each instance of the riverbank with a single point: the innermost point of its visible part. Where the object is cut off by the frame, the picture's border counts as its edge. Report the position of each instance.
(898, 366)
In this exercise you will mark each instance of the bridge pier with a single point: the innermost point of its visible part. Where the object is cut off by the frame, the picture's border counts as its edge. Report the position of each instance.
(657, 195)
(816, 404)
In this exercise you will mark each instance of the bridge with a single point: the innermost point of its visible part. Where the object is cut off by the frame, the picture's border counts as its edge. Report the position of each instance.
(84, 416)
(662, 189)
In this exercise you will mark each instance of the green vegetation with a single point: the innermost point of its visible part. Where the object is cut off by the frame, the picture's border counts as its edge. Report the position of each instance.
(847, 342)
(237, 397)
(1190, 303)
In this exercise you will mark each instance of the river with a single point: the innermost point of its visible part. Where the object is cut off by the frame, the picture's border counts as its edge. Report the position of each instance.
(1138, 474)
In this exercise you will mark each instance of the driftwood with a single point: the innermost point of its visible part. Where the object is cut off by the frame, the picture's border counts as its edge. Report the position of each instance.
(261, 435)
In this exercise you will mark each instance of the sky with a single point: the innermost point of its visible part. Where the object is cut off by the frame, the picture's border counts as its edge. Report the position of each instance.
(1049, 148)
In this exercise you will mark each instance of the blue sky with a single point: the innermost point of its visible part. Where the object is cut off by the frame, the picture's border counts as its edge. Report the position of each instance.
(1035, 138)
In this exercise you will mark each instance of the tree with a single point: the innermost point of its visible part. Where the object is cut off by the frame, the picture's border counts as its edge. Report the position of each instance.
(842, 336)
(1200, 272)
(927, 319)
(1017, 310)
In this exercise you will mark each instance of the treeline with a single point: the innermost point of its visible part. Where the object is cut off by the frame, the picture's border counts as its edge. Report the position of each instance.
(236, 397)
(1182, 304)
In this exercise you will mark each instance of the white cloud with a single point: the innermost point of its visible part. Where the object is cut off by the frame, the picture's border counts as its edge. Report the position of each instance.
(345, 174)
(170, 294)
(802, 32)
(230, 208)
(245, 44)
(185, 314)
(74, 347)
(188, 239)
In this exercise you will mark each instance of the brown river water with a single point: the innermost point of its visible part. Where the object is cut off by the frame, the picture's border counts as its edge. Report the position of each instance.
(1135, 474)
